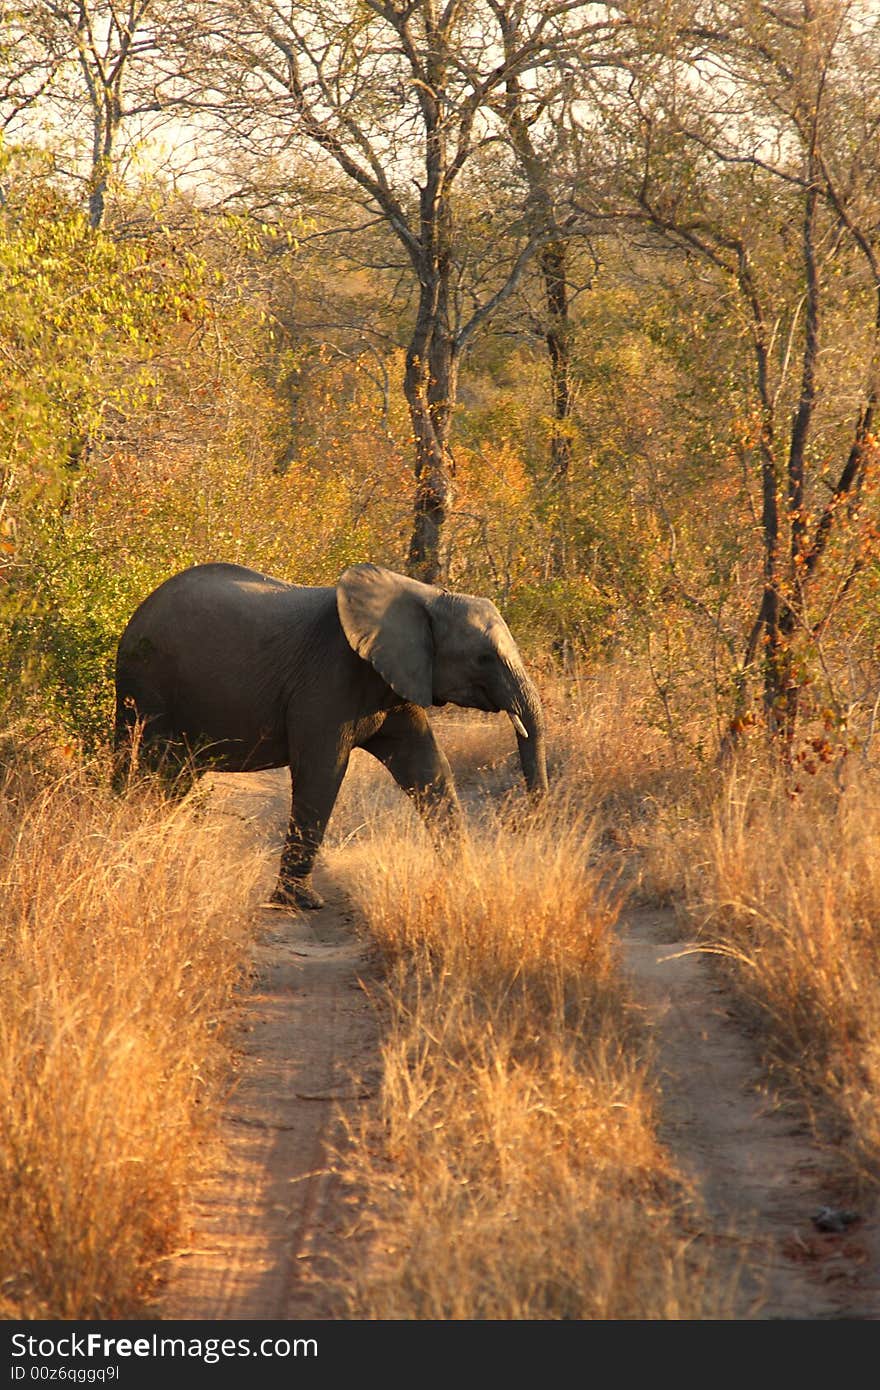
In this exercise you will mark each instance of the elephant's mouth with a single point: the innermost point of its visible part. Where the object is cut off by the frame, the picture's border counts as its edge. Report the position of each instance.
(477, 697)
(493, 707)
(480, 698)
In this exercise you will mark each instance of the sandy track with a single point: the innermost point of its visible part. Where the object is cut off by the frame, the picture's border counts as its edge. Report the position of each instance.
(758, 1174)
(267, 1224)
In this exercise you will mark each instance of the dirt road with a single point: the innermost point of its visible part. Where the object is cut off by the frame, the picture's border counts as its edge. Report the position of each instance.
(269, 1223)
(760, 1177)
(270, 1219)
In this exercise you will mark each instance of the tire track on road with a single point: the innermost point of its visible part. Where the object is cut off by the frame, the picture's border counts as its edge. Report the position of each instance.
(753, 1164)
(267, 1223)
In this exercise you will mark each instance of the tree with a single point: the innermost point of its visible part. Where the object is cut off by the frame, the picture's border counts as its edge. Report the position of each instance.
(402, 98)
(537, 117)
(525, 112)
(90, 65)
(750, 122)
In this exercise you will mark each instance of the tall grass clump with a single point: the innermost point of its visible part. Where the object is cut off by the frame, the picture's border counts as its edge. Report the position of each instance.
(512, 1169)
(786, 892)
(612, 754)
(122, 938)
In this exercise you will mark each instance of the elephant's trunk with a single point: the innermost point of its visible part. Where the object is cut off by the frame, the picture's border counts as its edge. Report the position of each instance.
(524, 708)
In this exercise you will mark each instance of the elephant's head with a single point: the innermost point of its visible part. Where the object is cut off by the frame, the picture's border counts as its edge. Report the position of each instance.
(434, 648)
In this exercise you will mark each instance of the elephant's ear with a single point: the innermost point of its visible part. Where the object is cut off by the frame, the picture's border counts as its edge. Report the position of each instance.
(385, 618)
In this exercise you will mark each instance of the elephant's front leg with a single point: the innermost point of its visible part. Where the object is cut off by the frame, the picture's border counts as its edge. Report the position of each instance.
(315, 786)
(405, 744)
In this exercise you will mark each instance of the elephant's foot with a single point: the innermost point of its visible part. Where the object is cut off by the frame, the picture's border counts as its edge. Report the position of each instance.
(296, 893)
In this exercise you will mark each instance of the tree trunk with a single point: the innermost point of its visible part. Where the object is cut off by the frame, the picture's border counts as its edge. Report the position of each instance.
(557, 336)
(558, 339)
(430, 389)
(106, 120)
(785, 693)
(433, 500)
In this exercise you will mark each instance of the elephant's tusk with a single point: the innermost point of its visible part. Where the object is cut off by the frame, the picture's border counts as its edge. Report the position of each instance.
(518, 724)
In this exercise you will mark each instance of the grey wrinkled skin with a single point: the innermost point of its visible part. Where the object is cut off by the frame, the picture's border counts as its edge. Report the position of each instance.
(226, 668)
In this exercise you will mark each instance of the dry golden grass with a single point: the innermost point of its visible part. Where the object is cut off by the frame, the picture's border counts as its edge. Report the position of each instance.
(121, 942)
(787, 892)
(513, 1169)
(603, 740)
(610, 755)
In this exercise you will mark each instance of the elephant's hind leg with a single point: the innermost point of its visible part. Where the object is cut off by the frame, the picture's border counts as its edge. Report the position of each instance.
(406, 745)
(130, 738)
(144, 740)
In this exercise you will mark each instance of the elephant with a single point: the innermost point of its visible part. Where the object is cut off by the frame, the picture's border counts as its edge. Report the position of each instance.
(227, 668)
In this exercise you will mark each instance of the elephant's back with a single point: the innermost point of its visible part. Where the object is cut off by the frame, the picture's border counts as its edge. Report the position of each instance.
(218, 583)
(221, 627)
(222, 596)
